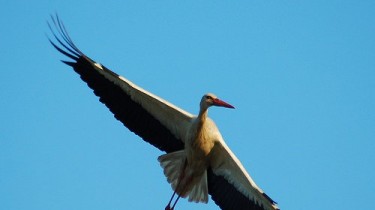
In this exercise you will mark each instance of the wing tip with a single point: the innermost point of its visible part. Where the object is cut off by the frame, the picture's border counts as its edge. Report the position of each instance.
(69, 63)
(269, 198)
(273, 203)
(63, 43)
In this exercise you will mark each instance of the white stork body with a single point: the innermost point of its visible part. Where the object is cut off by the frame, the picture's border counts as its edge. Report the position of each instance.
(198, 162)
(186, 170)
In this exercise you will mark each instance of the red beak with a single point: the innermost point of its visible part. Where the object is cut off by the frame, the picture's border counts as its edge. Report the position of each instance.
(218, 102)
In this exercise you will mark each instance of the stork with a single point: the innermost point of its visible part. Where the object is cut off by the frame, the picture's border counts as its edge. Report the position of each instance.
(197, 161)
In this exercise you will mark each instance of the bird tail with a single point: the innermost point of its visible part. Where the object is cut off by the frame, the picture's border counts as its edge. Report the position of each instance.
(199, 193)
(173, 165)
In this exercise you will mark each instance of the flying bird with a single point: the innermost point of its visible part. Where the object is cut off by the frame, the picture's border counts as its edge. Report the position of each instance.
(197, 161)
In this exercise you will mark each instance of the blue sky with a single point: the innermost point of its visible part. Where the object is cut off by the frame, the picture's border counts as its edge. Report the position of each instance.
(300, 74)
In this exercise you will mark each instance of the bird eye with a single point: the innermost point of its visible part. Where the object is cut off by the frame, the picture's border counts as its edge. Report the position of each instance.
(209, 97)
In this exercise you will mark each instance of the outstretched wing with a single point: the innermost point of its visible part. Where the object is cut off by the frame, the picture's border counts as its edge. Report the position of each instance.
(155, 120)
(231, 187)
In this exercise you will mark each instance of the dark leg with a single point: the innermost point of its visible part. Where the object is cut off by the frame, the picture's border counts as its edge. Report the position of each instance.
(168, 207)
(188, 181)
(182, 175)
(175, 203)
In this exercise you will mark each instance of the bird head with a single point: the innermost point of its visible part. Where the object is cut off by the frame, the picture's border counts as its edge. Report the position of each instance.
(210, 99)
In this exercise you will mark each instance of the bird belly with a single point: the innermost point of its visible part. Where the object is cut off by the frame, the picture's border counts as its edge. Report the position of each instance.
(199, 142)
(198, 149)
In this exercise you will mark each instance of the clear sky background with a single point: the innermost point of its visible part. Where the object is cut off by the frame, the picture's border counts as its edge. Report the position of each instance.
(300, 74)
